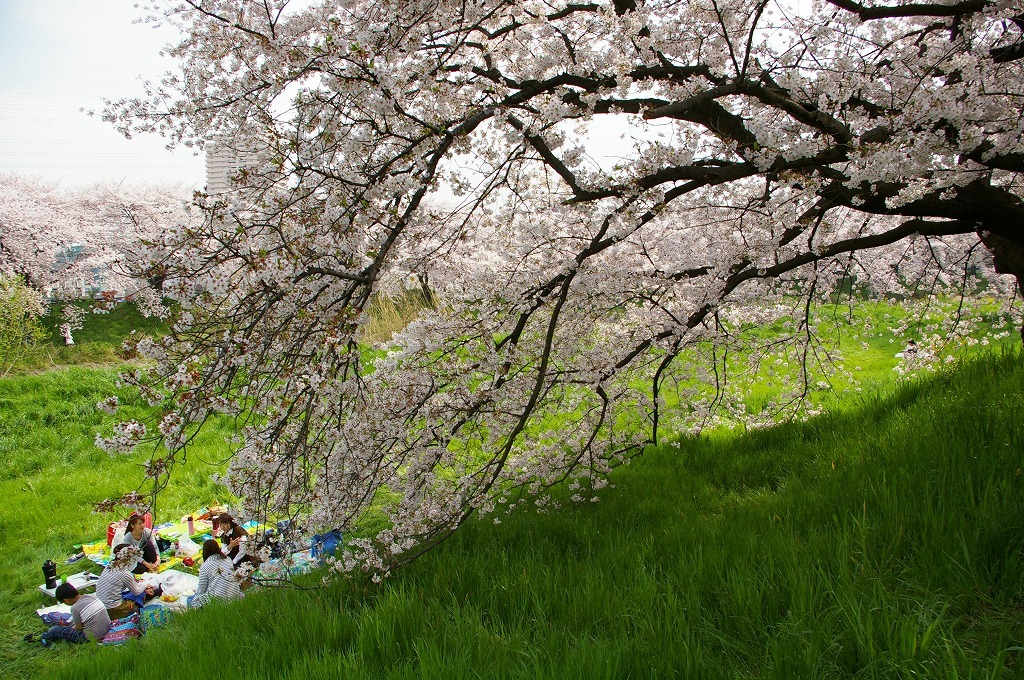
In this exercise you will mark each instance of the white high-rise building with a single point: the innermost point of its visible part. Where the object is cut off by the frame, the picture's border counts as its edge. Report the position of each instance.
(224, 158)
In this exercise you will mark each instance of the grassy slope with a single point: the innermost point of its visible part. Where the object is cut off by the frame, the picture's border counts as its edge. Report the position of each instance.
(880, 543)
(51, 473)
(97, 342)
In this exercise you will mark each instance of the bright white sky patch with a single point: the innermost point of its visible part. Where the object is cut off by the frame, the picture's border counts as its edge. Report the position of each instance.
(61, 56)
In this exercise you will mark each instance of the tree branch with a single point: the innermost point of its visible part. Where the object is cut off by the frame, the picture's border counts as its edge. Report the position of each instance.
(913, 10)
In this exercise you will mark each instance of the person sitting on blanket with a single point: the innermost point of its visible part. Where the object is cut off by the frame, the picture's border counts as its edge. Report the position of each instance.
(89, 618)
(216, 577)
(117, 578)
(138, 536)
(234, 538)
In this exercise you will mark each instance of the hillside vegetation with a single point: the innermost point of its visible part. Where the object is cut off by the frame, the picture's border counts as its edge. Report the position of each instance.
(883, 540)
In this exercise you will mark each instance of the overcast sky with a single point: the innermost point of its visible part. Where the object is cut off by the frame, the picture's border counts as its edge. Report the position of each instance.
(59, 56)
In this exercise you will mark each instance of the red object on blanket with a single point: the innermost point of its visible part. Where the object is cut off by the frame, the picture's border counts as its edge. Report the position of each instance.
(115, 529)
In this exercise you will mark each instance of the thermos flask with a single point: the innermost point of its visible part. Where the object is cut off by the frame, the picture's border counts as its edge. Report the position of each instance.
(50, 573)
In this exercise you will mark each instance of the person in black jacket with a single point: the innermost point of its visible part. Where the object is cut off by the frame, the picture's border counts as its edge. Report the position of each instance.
(234, 539)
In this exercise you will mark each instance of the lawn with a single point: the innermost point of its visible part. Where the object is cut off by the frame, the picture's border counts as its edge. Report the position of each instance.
(881, 540)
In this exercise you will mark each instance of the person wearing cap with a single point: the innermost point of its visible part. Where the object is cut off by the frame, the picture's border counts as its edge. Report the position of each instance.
(89, 618)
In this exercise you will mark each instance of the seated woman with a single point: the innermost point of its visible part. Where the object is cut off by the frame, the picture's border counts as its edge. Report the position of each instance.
(216, 577)
(138, 536)
(234, 539)
(117, 578)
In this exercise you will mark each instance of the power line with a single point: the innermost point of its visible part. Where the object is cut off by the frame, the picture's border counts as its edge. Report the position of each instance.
(49, 95)
(90, 154)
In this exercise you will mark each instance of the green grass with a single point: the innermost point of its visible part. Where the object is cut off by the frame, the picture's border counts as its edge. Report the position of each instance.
(880, 542)
(97, 343)
(51, 474)
(858, 347)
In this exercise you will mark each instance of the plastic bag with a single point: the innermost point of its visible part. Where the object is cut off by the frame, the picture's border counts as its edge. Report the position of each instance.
(115, 529)
(187, 547)
(325, 544)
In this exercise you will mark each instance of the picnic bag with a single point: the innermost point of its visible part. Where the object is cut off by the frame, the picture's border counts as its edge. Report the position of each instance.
(122, 630)
(153, 616)
(56, 618)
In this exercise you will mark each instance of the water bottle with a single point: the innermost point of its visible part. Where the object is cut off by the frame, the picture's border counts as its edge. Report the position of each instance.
(50, 573)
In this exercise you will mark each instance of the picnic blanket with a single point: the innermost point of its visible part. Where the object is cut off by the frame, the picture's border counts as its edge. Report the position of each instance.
(99, 553)
(296, 562)
(168, 532)
(177, 585)
(123, 630)
(290, 565)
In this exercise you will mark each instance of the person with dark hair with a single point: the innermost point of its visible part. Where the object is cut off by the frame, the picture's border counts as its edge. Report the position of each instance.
(211, 548)
(118, 578)
(139, 536)
(216, 577)
(234, 538)
(89, 618)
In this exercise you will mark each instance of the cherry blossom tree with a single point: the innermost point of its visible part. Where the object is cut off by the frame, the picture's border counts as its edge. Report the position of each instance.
(601, 193)
(43, 240)
(66, 241)
(123, 218)
(35, 221)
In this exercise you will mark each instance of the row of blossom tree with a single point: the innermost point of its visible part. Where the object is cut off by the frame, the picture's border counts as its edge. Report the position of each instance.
(600, 191)
(67, 243)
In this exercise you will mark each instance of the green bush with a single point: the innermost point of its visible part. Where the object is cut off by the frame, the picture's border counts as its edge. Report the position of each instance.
(20, 329)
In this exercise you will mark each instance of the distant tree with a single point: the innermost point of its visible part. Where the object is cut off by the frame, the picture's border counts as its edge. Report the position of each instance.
(20, 328)
(53, 235)
(72, 318)
(36, 220)
(120, 218)
(632, 181)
